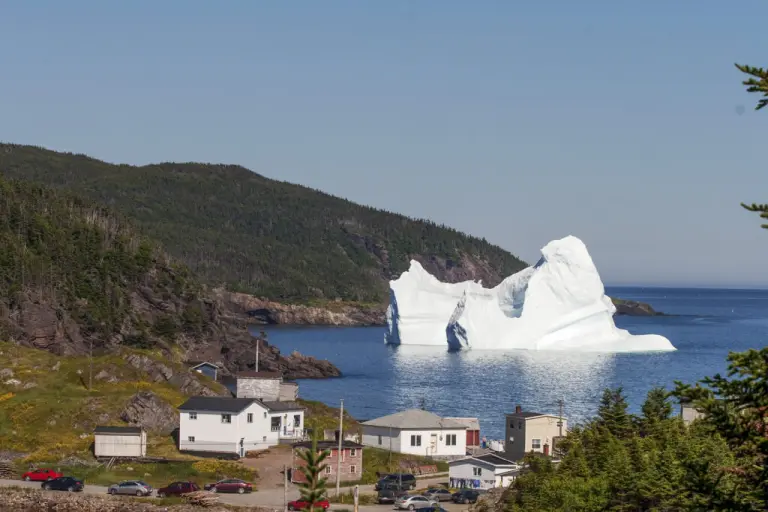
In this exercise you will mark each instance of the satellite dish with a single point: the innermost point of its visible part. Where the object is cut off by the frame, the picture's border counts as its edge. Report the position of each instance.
(511, 439)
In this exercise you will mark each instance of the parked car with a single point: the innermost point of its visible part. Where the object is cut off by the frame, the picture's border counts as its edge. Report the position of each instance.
(230, 485)
(406, 480)
(304, 505)
(64, 483)
(430, 509)
(132, 487)
(467, 496)
(177, 489)
(41, 475)
(439, 494)
(390, 493)
(414, 502)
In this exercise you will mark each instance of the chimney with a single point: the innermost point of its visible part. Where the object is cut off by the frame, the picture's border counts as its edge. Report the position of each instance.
(518, 409)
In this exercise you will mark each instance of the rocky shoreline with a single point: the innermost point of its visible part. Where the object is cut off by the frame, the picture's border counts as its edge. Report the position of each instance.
(262, 311)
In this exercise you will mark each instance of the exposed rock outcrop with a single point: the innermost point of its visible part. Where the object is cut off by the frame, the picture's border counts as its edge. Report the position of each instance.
(146, 409)
(185, 381)
(634, 308)
(264, 311)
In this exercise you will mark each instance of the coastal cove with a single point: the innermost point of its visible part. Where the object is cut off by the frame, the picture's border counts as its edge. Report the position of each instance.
(704, 324)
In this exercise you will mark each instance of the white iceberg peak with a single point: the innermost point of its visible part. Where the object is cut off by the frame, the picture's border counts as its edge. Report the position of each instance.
(557, 304)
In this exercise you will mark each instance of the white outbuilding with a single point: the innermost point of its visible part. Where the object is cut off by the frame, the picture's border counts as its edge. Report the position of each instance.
(119, 442)
(482, 472)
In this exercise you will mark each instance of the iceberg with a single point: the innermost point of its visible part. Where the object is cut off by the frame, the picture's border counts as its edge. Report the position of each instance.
(557, 304)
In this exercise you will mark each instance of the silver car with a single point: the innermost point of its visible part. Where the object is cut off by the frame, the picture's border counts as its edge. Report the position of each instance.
(131, 487)
(414, 502)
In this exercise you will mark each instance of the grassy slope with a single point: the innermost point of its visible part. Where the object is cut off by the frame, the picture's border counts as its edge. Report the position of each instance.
(55, 419)
(262, 236)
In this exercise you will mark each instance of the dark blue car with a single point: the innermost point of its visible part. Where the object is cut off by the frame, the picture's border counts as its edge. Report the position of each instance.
(64, 483)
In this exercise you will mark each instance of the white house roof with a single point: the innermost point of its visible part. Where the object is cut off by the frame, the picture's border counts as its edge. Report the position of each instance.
(470, 423)
(488, 458)
(415, 419)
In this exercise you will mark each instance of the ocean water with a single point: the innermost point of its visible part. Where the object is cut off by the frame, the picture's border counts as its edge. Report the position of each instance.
(380, 379)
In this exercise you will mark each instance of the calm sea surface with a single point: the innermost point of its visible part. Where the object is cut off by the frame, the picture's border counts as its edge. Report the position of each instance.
(380, 379)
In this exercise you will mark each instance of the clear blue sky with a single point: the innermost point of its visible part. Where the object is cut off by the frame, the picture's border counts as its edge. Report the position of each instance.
(618, 122)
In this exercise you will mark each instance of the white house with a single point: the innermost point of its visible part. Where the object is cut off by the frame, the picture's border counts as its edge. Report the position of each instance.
(482, 472)
(417, 432)
(237, 425)
(119, 442)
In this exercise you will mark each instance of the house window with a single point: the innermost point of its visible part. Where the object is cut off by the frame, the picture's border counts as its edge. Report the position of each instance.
(193, 415)
(520, 425)
(297, 420)
(353, 469)
(191, 439)
(276, 424)
(264, 438)
(226, 418)
(477, 471)
(415, 440)
(450, 440)
(327, 470)
(250, 417)
(380, 439)
(352, 452)
(536, 444)
(265, 414)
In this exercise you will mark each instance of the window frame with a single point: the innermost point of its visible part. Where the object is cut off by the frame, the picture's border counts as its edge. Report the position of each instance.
(193, 415)
(190, 439)
(226, 418)
(534, 443)
(249, 417)
(416, 440)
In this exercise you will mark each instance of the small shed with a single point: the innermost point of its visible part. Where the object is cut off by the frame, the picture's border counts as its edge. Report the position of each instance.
(120, 442)
(208, 369)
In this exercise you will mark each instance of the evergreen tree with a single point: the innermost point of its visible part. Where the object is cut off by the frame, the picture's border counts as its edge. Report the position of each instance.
(612, 413)
(736, 408)
(313, 490)
(656, 408)
(757, 82)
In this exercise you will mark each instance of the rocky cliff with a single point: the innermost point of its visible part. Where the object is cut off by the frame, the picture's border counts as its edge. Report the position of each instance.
(75, 277)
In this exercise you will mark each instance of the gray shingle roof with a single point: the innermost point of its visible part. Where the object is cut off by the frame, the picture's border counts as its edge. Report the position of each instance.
(491, 458)
(415, 419)
(283, 406)
(470, 423)
(216, 403)
(117, 431)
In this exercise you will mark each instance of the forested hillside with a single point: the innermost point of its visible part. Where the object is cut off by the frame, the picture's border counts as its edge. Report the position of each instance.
(265, 237)
(73, 274)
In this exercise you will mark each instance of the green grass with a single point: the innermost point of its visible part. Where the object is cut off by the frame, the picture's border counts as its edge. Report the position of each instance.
(322, 416)
(55, 418)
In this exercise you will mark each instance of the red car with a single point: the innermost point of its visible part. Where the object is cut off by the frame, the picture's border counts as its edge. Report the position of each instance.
(41, 475)
(304, 505)
(230, 485)
(177, 489)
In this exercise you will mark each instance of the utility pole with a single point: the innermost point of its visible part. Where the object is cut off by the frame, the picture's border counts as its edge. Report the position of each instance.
(561, 403)
(256, 366)
(90, 365)
(341, 441)
(285, 488)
